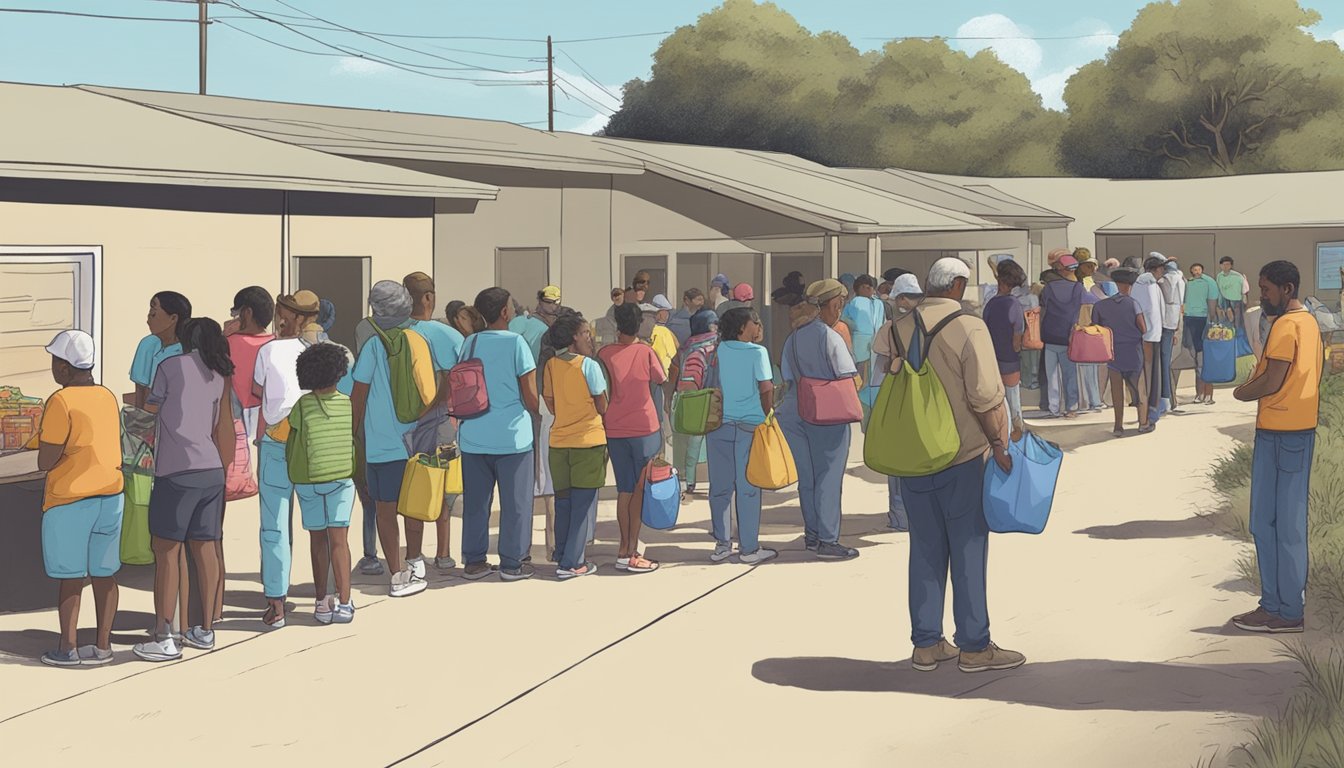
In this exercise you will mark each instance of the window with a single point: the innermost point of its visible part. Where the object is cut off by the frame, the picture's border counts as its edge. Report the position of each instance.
(44, 291)
(1329, 263)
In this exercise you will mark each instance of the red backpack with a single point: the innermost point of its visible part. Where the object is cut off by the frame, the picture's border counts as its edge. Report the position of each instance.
(692, 373)
(467, 393)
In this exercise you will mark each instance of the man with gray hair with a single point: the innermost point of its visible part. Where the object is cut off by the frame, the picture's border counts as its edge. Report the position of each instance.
(378, 431)
(946, 508)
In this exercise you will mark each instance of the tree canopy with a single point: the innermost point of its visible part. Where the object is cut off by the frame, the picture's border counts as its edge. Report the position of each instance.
(1202, 87)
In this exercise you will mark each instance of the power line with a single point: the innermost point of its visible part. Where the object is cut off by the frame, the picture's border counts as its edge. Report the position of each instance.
(274, 42)
(95, 15)
(584, 101)
(612, 37)
(590, 76)
(591, 101)
(1003, 37)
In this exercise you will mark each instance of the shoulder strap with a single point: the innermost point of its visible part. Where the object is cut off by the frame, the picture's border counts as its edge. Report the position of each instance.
(944, 322)
(471, 350)
(379, 331)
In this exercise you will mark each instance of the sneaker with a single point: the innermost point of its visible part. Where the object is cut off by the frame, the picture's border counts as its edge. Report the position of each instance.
(565, 574)
(759, 556)
(200, 638)
(928, 659)
(1280, 625)
(69, 658)
(325, 609)
(475, 571)
(158, 650)
(522, 572)
(835, 551)
(445, 563)
(622, 563)
(1261, 620)
(722, 551)
(406, 583)
(344, 614)
(93, 656)
(811, 544)
(417, 567)
(369, 566)
(993, 658)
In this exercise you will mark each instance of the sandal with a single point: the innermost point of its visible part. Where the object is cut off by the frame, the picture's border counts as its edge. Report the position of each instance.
(272, 618)
(640, 564)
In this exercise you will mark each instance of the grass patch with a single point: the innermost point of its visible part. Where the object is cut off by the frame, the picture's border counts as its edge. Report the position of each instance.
(1309, 732)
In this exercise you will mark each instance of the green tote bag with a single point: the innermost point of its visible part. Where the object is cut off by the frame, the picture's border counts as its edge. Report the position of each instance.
(912, 431)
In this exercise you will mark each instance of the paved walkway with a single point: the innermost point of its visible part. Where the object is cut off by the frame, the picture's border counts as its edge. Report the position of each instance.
(1121, 607)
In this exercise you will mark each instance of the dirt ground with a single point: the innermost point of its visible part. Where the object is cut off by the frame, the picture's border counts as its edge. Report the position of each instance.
(1121, 607)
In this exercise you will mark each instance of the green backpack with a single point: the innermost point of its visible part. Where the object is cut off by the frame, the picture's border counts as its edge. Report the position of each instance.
(698, 411)
(912, 431)
(322, 451)
(410, 369)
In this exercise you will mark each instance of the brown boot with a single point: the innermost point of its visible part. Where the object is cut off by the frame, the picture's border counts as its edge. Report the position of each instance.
(928, 659)
(993, 658)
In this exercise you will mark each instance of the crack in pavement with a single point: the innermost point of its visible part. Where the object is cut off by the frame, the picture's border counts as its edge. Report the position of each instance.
(296, 653)
(567, 669)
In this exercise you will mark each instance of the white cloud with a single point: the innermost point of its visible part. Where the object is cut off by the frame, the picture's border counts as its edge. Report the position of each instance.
(591, 125)
(1051, 87)
(1016, 50)
(1338, 37)
(351, 65)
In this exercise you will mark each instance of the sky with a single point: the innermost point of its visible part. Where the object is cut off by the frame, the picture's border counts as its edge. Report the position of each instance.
(486, 59)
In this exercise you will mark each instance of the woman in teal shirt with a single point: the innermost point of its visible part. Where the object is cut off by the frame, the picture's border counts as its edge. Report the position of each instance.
(168, 312)
(742, 373)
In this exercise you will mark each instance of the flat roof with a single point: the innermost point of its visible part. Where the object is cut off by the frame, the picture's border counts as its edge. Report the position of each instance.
(797, 188)
(390, 135)
(71, 134)
(981, 200)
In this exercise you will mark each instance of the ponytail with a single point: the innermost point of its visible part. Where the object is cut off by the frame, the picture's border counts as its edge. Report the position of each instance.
(203, 335)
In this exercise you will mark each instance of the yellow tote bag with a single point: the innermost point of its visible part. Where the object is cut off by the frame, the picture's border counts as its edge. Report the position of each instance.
(770, 464)
(422, 488)
(452, 485)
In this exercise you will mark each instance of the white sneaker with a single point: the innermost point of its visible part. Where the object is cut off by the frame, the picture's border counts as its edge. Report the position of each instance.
(721, 552)
(325, 609)
(93, 656)
(166, 649)
(200, 638)
(418, 566)
(345, 613)
(406, 583)
(759, 556)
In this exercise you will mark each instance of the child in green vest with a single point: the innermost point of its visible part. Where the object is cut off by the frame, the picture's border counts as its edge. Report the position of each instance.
(321, 457)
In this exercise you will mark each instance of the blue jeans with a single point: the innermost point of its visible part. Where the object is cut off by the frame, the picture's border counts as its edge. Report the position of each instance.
(820, 453)
(1168, 340)
(515, 475)
(729, 447)
(277, 499)
(1280, 484)
(1089, 373)
(572, 513)
(897, 517)
(1057, 366)
(1156, 375)
(1013, 396)
(947, 528)
(370, 523)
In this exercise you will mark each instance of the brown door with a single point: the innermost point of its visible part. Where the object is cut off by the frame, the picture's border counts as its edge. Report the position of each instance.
(344, 280)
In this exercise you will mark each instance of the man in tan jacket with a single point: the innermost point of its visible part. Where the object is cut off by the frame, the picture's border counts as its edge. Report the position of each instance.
(946, 509)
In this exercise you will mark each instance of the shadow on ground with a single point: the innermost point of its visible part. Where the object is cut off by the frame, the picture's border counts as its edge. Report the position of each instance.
(1153, 529)
(27, 645)
(1077, 684)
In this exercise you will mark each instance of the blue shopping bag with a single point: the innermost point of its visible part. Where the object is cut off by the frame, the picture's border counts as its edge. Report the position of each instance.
(1220, 360)
(661, 496)
(1019, 502)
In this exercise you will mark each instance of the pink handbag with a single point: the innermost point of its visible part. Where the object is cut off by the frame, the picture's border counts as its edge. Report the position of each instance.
(1090, 344)
(826, 402)
(238, 480)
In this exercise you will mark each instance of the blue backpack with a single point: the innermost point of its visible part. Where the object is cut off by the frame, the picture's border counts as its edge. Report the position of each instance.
(662, 496)
(1019, 502)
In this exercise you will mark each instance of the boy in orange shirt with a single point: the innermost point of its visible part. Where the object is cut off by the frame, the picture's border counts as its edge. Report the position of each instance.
(1287, 385)
(80, 450)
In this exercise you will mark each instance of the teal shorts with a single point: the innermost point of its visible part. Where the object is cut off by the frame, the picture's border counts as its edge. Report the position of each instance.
(326, 505)
(83, 538)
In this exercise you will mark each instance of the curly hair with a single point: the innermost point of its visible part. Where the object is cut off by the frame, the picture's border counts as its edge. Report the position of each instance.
(321, 366)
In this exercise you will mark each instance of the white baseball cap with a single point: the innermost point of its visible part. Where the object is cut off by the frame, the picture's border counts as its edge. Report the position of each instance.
(74, 347)
(906, 285)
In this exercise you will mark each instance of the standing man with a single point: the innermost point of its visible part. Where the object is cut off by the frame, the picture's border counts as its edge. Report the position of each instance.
(434, 428)
(605, 327)
(1286, 384)
(865, 314)
(692, 301)
(1201, 302)
(1233, 289)
(1061, 304)
(1149, 296)
(946, 509)
(1172, 285)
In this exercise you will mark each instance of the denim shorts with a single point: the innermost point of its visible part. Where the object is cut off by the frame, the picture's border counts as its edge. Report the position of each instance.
(83, 538)
(384, 480)
(326, 505)
(628, 457)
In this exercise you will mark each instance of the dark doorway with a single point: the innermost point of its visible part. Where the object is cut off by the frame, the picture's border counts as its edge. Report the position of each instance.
(344, 280)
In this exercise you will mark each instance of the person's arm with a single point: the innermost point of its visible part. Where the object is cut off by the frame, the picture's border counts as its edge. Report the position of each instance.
(527, 387)
(359, 399)
(673, 375)
(984, 392)
(49, 455)
(767, 390)
(52, 434)
(1280, 350)
(225, 438)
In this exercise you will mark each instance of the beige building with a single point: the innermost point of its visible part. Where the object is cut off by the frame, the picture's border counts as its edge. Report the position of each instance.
(103, 203)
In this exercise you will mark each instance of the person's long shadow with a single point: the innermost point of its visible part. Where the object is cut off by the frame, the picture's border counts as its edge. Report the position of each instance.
(1075, 684)
(24, 646)
(1154, 529)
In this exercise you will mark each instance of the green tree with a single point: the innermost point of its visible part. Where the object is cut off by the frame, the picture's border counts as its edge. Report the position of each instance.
(923, 105)
(748, 75)
(1209, 87)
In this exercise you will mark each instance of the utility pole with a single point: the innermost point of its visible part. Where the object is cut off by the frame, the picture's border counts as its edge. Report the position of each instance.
(204, 21)
(550, 86)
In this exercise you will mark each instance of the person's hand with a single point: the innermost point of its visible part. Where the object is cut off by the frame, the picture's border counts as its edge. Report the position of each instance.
(232, 326)
(1002, 458)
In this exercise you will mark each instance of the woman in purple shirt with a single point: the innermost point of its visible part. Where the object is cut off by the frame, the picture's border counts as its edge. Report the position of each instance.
(1007, 323)
(1123, 315)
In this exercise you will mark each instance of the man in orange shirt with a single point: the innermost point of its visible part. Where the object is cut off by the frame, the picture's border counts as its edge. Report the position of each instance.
(1286, 384)
(80, 450)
